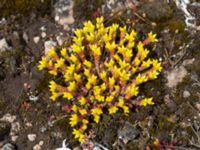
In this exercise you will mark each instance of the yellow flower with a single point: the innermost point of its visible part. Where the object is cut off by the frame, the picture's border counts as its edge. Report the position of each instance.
(120, 102)
(67, 95)
(132, 90)
(122, 29)
(110, 63)
(82, 100)
(103, 75)
(54, 96)
(51, 52)
(156, 65)
(96, 90)
(87, 63)
(77, 49)
(82, 111)
(153, 74)
(141, 78)
(99, 98)
(107, 38)
(78, 135)
(146, 101)
(77, 77)
(64, 52)
(96, 118)
(109, 98)
(74, 108)
(92, 79)
(59, 63)
(73, 120)
(152, 37)
(95, 49)
(70, 69)
(126, 109)
(96, 111)
(78, 40)
(137, 61)
(86, 72)
(52, 86)
(103, 87)
(128, 53)
(144, 54)
(111, 46)
(111, 81)
(83, 127)
(72, 86)
(73, 58)
(146, 64)
(112, 110)
(124, 76)
(42, 63)
(53, 72)
(78, 32)
(85, 121)
(90, 37)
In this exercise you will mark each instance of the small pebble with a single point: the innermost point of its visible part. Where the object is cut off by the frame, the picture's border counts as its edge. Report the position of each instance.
(36, 39)
(31, 137)
(41, 143)
(43, 34)
(25, 37)
(8, 146)
(37, 147)
(186, 94)
(14, 138)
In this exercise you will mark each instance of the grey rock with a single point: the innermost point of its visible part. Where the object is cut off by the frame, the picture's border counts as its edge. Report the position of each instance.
(9, 146)
(4, 45)
(25, 37)
(128, 132)
(49, 44)
(63, 12)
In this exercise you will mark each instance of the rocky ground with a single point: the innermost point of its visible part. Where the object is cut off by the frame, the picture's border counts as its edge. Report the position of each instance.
(30, 121)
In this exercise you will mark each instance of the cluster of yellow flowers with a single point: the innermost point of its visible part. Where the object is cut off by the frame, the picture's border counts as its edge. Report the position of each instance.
(101, 72)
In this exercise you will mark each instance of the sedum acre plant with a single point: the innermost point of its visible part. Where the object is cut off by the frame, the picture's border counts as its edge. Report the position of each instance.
(100, 73)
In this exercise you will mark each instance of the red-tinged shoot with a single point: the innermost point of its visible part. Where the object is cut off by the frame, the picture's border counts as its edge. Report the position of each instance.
(99, 73)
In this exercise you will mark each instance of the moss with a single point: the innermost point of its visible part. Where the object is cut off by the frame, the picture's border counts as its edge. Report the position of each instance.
(9, 7)
(175, 25)
(85, 9)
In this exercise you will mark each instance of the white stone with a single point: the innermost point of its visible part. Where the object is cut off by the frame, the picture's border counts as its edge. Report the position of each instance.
(8, 117)
(25, 37)
(36, 39)
(31, 137)
(60, 40)
(37, 147)
(176, 76)
(43, 34)
(186, 94)
(3, 45)
(41, 143)
(48, 45)
(43, 28)
(28, 124)
(14, 138)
